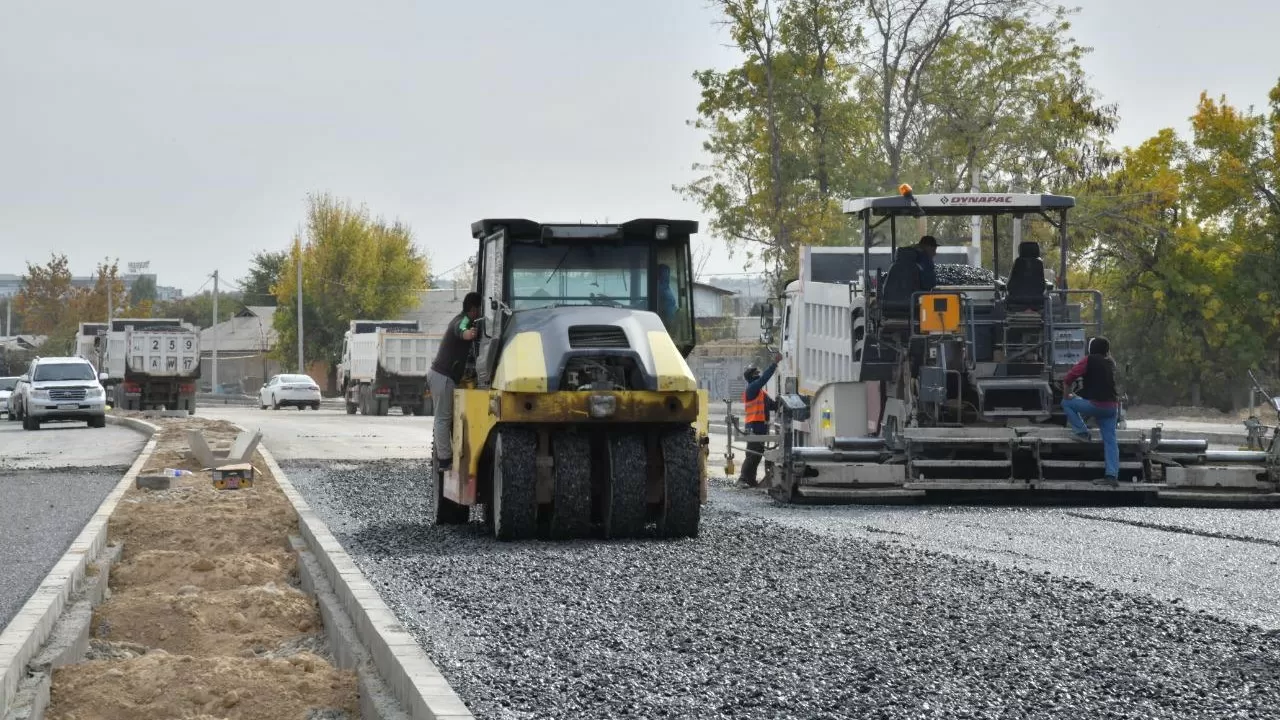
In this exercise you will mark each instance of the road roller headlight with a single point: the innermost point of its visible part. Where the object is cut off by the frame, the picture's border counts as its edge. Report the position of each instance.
(602, 406)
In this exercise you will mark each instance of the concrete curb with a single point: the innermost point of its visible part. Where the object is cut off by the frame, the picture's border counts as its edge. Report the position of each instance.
(411, 677)
(31, 628)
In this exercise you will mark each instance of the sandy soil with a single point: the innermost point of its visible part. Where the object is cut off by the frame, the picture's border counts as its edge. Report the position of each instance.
(160, 685)
(205, 619)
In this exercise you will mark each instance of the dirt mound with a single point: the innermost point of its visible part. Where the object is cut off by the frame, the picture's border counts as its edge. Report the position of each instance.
(234, 524)
(160, 685)
(169, 571)
(221, 622)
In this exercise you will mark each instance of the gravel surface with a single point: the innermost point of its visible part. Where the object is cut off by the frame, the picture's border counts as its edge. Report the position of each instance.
(763, 619)
(41, 512)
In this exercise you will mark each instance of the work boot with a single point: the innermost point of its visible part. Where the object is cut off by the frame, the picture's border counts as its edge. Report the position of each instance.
(1081, 437)
(744, 484)
(1107, 482)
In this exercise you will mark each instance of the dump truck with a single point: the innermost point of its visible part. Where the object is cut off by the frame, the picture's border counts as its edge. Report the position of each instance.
(152, 364)
(958, 388)
(89, 343)
(579, 414)
(384, 365)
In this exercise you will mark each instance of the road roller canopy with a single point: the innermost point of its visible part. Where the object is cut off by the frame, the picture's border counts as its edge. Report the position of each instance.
(641, 264)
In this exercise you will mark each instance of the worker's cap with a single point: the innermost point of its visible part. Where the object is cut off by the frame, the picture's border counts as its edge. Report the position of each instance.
(750, 372)
(929, 241)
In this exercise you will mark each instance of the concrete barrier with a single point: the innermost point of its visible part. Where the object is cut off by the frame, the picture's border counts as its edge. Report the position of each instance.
(360, 625)
(66, 585)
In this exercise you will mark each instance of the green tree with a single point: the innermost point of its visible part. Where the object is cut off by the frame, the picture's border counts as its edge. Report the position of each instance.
(258, 288)
(784, 133)
(144, 289)
(353, 266)
(198, 309)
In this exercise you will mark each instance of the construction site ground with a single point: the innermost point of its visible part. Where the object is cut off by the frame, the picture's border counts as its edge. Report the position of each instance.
(205, 617)
(784, 612)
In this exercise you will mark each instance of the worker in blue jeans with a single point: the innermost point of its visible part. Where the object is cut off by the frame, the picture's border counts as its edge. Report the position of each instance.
(1097, 399)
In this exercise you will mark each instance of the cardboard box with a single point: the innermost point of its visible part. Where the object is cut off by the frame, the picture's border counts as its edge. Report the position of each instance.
(233, 477)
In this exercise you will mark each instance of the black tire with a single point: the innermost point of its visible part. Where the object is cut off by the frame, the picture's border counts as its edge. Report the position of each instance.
(98, 422)
(515, 506)
(315, 406)
(301, 407)
(448, 512)
(351, 408)
(626, 506)
(682, 501)
(30, 423)
(571, 496)
(275, 404)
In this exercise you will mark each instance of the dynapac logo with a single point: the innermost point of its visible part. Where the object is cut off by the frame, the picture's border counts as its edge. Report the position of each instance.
(975, 199)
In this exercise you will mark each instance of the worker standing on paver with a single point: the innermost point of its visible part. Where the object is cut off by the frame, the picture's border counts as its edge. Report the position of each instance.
(1097, 399)
(926, 249)
(758, 406)
(446, 372)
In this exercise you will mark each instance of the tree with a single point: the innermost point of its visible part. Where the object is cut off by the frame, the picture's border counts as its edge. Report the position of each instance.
(907, 37)
(198, 309)
(143, 290)
(353, 266)
(784, 133)
(264, 274)
(45, 298)
(1183, 242)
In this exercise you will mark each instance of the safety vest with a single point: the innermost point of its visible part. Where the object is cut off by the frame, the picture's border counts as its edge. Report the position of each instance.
(755, 408)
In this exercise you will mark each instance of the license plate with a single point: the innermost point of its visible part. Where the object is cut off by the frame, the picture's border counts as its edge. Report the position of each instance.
(66, 406)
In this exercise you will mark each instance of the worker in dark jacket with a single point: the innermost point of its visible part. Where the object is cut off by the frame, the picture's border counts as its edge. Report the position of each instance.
(758, 406)
(926, 249)
(446, 372)
(1097, 399)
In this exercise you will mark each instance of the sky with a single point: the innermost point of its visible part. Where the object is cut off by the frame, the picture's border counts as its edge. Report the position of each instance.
(189, 135)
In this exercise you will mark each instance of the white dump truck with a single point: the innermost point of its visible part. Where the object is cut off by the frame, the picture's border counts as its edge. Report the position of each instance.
(385, 365)
(818, 320)
(152, 364)
(89, 343)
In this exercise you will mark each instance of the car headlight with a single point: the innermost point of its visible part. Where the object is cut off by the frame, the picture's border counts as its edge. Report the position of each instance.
(94, 392)
(40, 394)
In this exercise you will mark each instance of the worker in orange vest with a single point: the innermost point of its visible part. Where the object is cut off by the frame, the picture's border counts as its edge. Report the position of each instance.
(758, 406)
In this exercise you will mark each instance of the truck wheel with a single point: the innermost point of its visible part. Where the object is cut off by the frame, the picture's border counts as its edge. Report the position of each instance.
(515, 503)
(351, 408)
(571, 495)
(682, 506)
(448, 512)
(626, 507)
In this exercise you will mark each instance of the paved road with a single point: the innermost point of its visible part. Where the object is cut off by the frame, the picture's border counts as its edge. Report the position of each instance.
(51, 481)
(331, 434)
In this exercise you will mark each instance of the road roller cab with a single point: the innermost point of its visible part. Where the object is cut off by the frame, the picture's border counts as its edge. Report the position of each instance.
(579, 414)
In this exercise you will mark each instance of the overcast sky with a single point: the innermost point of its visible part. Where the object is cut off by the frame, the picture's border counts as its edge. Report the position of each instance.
(189, 134)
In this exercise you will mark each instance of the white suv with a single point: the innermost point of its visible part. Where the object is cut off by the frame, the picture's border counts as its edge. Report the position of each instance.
(62, 388)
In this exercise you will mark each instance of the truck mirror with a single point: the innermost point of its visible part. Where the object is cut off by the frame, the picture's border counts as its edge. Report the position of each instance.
(766, 315)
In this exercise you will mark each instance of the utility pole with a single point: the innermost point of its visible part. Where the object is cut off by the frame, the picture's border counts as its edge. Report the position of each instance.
(106, 284)
(975, 223)
(8, 316)
(301, 367)
(214, 332)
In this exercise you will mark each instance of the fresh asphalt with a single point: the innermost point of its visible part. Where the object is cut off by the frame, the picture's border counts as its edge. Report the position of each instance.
(51, 482)
(816, 612)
